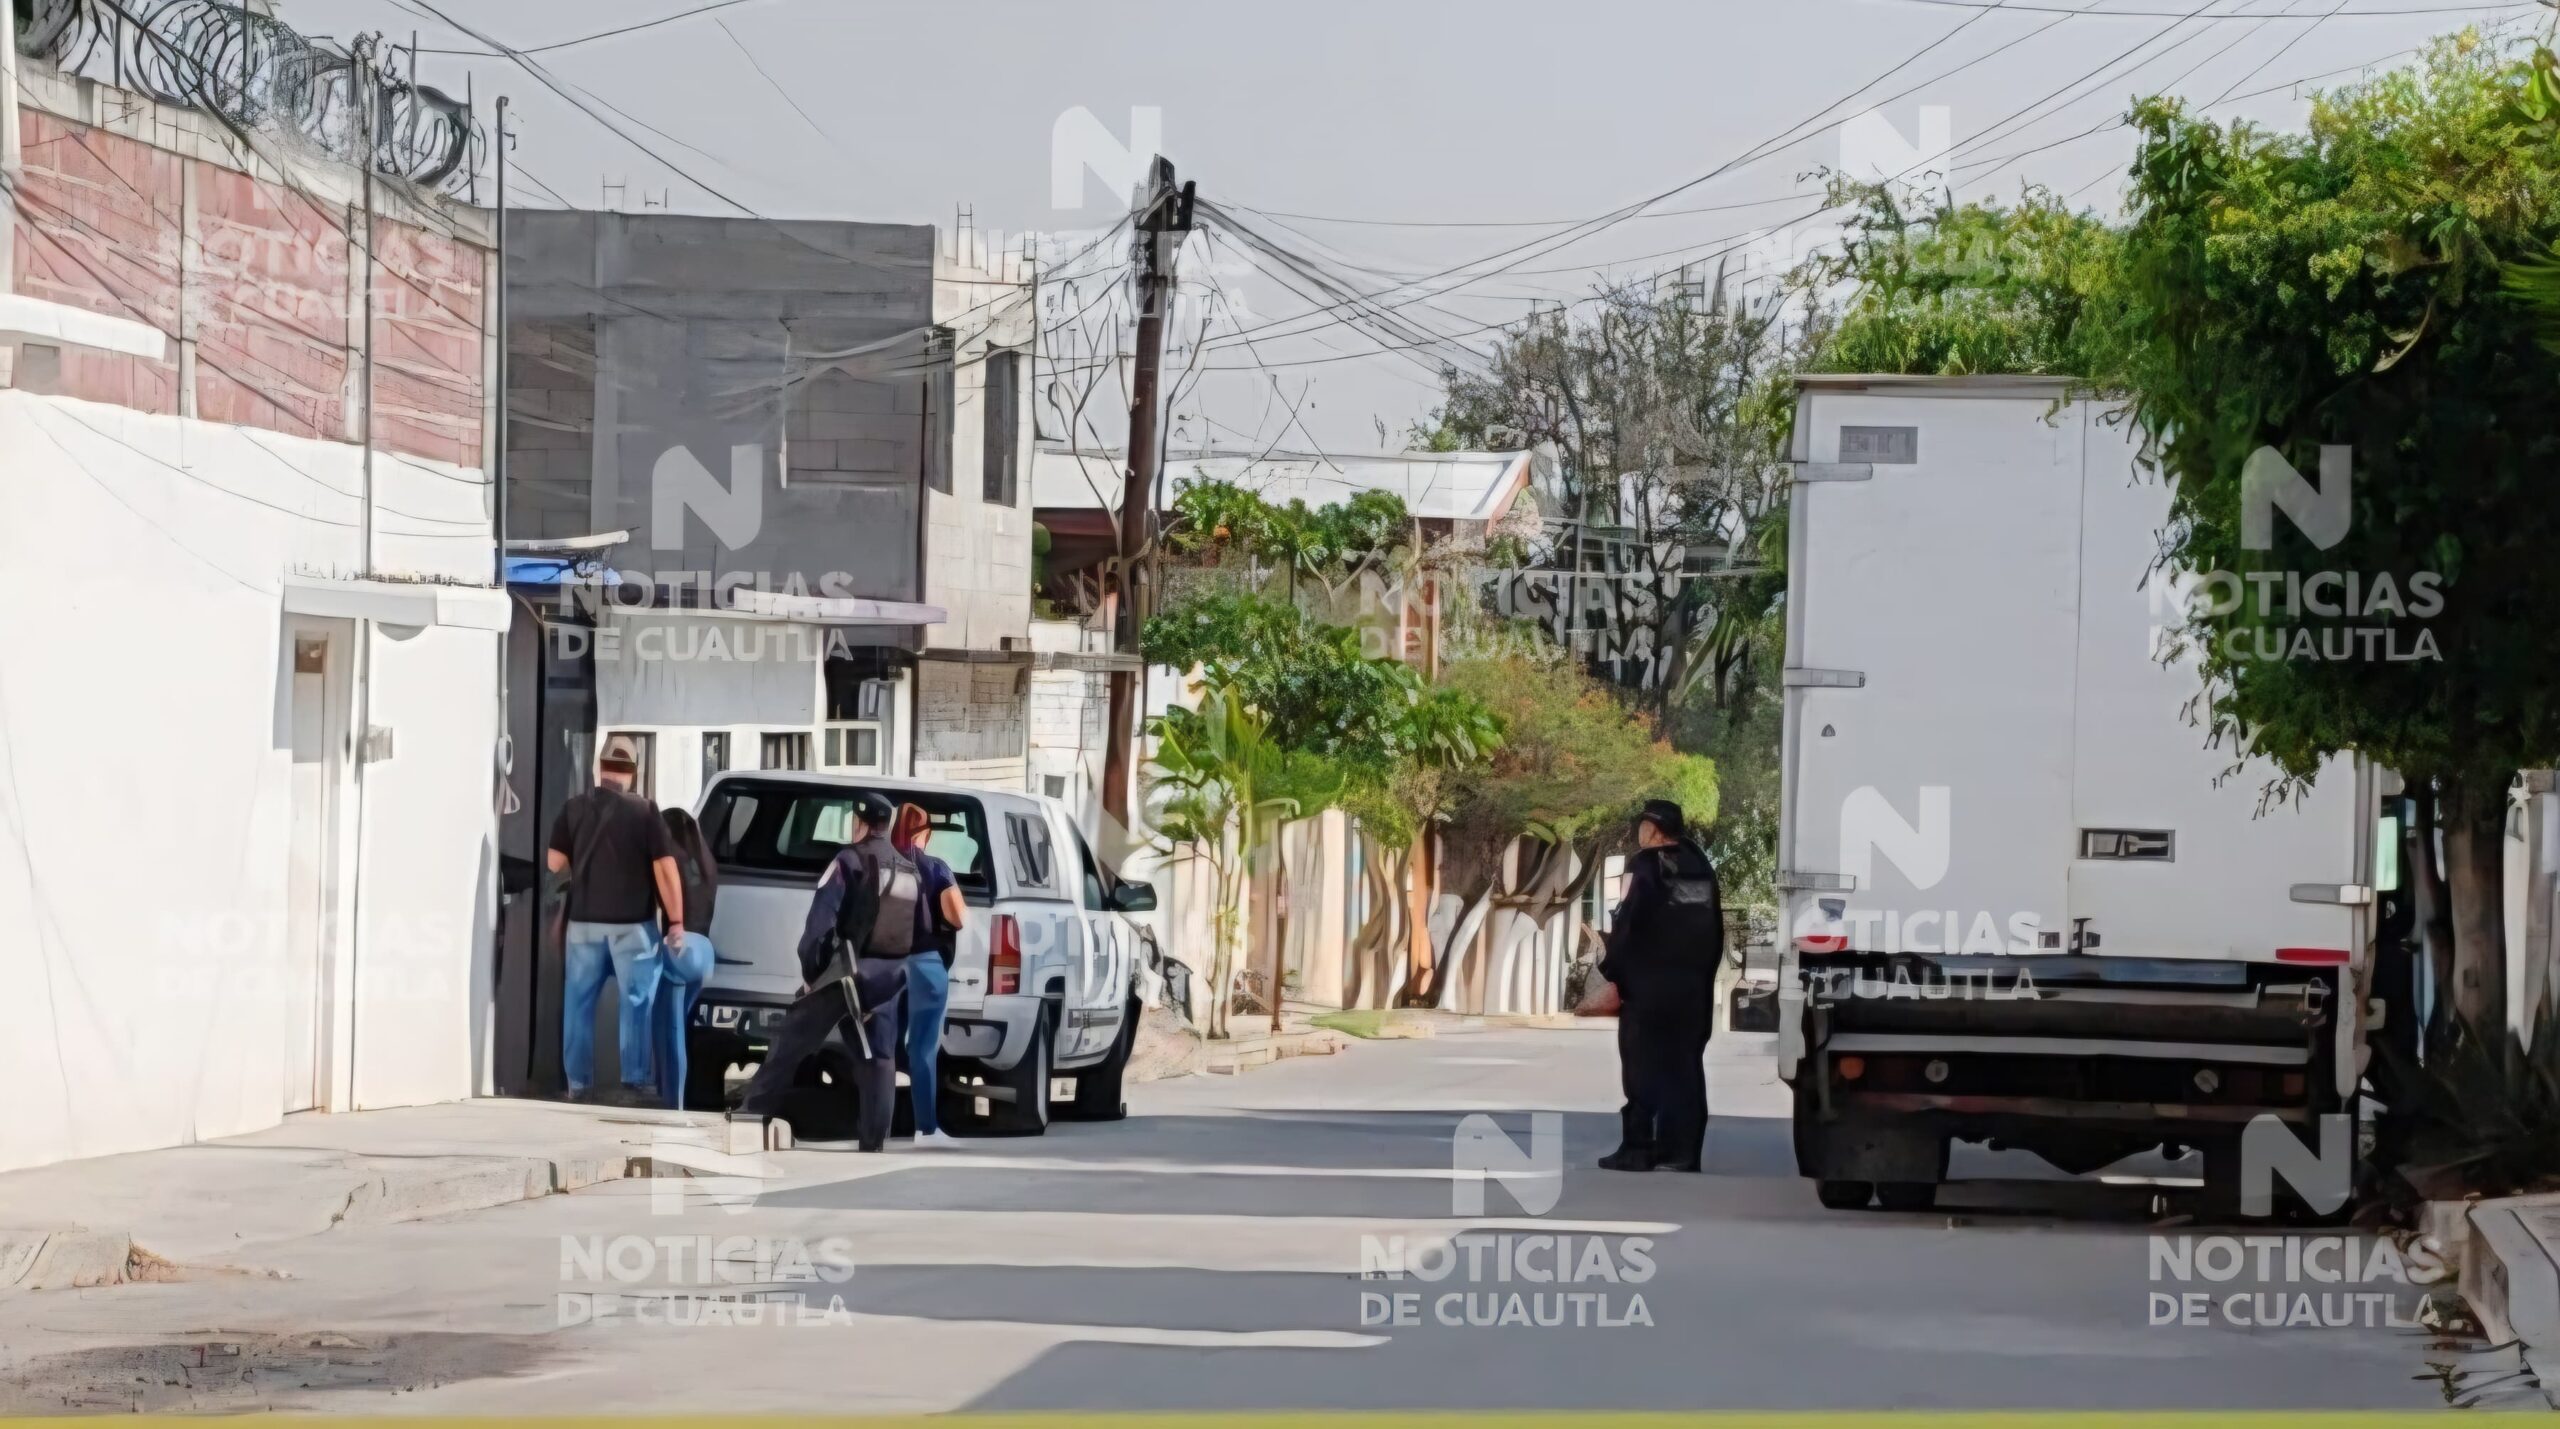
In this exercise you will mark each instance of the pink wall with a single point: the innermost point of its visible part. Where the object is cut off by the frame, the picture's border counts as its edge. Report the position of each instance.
(266, 283)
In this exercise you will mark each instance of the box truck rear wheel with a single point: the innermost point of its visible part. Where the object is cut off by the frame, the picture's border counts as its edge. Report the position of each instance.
(1906, 1195)
(1843, 1195)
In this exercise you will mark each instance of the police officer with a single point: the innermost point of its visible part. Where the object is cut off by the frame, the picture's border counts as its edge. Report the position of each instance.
(853, 952)
(1662, 949)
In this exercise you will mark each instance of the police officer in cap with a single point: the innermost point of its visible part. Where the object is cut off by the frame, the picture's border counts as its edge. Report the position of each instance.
(853, 953)
(1662, 949)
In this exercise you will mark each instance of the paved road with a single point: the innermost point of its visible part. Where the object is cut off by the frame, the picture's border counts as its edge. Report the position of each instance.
(1207, 1253)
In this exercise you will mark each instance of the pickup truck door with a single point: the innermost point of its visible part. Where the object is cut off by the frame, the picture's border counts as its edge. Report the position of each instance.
(1103, 969)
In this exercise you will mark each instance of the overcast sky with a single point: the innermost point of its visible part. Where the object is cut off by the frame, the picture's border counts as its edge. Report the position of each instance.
(1389, 110)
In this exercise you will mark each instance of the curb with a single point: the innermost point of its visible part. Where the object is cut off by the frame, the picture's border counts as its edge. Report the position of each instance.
(388, 1192)
(413, 1191)
(1231, 1055)
(2508, 1273)
(66, 1259)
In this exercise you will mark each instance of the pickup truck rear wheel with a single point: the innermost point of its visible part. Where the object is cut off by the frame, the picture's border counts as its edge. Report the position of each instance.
(1028, 1113)
(824, 1103)
(1098, 1087)
(1843, 1195)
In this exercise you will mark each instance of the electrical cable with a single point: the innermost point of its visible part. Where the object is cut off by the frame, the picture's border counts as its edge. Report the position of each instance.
(577, 40)
(774, 84)
(1752, 155)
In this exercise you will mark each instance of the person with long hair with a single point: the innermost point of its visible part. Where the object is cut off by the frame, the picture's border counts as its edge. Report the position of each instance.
(687, 955)
(939, 914)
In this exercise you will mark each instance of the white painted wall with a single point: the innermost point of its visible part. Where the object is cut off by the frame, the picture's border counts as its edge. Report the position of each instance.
(978, 553)
(145, 755)
(1069, 721)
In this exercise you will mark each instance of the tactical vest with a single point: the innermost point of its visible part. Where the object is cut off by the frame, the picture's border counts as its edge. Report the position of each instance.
(898, 890)
(1693, 908)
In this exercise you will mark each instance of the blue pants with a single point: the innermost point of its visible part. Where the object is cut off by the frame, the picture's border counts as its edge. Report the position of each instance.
(928, 993)
(685, 967)
(629, 951)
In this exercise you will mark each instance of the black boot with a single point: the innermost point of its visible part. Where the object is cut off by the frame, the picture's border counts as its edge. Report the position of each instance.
(1628, 1158)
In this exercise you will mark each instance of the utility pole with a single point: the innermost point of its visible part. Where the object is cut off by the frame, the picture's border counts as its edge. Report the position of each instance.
(1159, 219)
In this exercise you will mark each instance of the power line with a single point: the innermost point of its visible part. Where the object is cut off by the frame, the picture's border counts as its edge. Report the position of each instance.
(577, 40)
(772, 83)
(2299, 36)
(1761, 150)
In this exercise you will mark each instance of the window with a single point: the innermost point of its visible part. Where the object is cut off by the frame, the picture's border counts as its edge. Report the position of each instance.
(759, 826)
(644, 750)
(937, 411)
(1004, 425)
(1094, 882)
(715, 755)
(850, 746)
(1030, 841)
(786, 751)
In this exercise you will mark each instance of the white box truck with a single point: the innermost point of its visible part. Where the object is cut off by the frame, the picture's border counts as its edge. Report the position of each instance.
(2023, 900)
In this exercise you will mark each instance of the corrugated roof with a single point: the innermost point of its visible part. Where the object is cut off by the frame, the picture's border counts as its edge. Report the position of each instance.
(1457, 486)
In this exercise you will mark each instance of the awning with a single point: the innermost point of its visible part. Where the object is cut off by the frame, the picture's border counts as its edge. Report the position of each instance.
(836, 610)
(407, 603)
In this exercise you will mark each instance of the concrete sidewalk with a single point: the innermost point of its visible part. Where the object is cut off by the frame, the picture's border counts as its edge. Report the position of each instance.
(106, 1219)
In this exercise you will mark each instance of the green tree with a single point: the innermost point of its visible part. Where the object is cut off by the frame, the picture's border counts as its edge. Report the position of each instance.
(1220, 787)
(2343, 287)
(1312, 681)
(1950, 289)
(1574, 765)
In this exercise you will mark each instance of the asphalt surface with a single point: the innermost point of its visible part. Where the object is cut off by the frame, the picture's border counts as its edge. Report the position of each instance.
(1208, 1253)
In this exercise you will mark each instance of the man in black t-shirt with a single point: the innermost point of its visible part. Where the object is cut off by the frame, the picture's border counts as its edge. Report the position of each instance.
(621, 868)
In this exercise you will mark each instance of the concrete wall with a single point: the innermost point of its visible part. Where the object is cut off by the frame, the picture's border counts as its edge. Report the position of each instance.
(147, 800)
(969, 722)
(978, 552)
(1068, 718)
(666, 339)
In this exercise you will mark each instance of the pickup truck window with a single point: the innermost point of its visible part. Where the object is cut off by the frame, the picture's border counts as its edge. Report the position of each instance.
(775, 827)
(1033, 867)
(1094, 883)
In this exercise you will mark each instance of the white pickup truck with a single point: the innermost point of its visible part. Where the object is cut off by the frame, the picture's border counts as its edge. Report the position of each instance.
(2023, 901)
(1047, 984)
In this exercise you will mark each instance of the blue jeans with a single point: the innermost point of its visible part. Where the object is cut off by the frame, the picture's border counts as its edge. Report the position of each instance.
(928, 993)
(630, 952)
(687, 966)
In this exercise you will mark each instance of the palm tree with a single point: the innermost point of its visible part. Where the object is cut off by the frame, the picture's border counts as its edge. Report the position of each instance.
(1221, 787)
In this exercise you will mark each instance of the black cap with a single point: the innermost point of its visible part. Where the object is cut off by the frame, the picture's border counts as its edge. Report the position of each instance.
(874, 810)
(1666, 816)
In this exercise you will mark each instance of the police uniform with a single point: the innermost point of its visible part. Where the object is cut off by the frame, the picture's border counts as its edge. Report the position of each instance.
(1662, 948)
(853, 952)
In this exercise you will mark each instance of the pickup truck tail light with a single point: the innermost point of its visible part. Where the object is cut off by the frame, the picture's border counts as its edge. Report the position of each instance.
(1004, 954)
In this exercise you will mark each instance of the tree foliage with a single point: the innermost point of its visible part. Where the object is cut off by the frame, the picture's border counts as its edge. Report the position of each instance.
(1950, 289)
(1213, 516)
(1575, 761)
(1312, 681)
(2343, 287)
